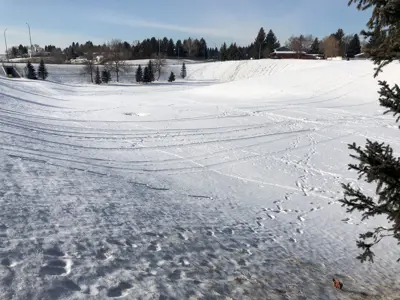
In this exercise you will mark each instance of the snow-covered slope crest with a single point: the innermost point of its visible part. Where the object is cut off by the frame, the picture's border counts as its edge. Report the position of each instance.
(222, 185)
(214, 71)
(311, 70)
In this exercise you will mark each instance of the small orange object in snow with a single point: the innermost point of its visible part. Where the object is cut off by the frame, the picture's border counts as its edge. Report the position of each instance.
(337, 284)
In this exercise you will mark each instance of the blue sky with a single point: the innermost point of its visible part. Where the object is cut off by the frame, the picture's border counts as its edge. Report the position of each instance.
(61, 22)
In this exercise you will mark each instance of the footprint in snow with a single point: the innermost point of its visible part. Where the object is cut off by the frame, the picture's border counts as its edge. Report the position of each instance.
(56, 267)
(246, 251)
(292, 240)
(228, 231)
(347, 220)
(155, 246)
(301, 219)
(104, 254)
(287, 196)
(55, 251)
(183, 236)
(184, 261)
(177, 274)
(121, 290)
(299, 231)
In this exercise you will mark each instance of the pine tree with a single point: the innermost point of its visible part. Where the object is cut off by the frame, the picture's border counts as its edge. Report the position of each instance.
(170, 48)
(271, 43)
(31, 72)
(97, 79)
(183, 71)
(146, 75)
(105, 76)
(224, 52)
(376, 162)
(315, 47)
(171, 77)
(354, 46)
(42, 70)
(151, 71)
(233, 52)
(260, 42)
(339, 35)
(139, 74)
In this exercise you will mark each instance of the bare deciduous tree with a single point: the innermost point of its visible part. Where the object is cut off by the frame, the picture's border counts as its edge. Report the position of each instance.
(331, 46)
(188, 46)
(307, 42)
(300, 43)
(159, 61)
(322, 46)
(294, 43)
(116, 57)
(89, 68)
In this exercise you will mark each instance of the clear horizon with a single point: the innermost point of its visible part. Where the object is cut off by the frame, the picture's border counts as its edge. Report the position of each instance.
(100, 21)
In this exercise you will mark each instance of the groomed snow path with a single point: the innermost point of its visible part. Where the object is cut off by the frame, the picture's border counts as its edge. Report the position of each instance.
(223, 185)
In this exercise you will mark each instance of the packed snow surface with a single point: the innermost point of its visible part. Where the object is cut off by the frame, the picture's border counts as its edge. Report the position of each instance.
(225, 184)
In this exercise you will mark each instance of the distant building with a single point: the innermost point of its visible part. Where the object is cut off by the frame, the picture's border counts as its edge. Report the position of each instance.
(285, 52)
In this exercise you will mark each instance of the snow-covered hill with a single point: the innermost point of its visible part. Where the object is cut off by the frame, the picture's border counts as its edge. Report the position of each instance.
(225, 184)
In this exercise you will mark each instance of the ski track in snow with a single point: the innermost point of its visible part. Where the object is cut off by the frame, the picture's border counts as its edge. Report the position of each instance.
(207, 190)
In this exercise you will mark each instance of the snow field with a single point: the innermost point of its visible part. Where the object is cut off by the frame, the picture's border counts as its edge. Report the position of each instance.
(222, 185)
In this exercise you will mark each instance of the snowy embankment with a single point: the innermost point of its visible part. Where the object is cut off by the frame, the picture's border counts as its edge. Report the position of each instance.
(225, 184)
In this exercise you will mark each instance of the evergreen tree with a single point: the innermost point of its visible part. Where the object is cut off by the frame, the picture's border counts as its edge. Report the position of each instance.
(233, 52)
(151, 70)
(376, 162)
(183, 71)
(315, 46)
(146, 75)
(223, 52)
(260, 42)
(31, 72)
(339, 35)
(179, 48)
(171, 77)
(271, 43)
(105, 76)
(170, 48)
(42, 70)
(97, 79)
(354, 46)
(139, 74)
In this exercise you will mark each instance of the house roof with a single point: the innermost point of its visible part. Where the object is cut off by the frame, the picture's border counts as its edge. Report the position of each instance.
(283, 48)
(288, 52)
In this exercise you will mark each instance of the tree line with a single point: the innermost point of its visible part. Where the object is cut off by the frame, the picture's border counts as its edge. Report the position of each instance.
(335, 44)
(41, 73)
(142, 75)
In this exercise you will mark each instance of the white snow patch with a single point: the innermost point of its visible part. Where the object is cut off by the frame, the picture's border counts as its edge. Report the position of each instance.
(170, 180)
